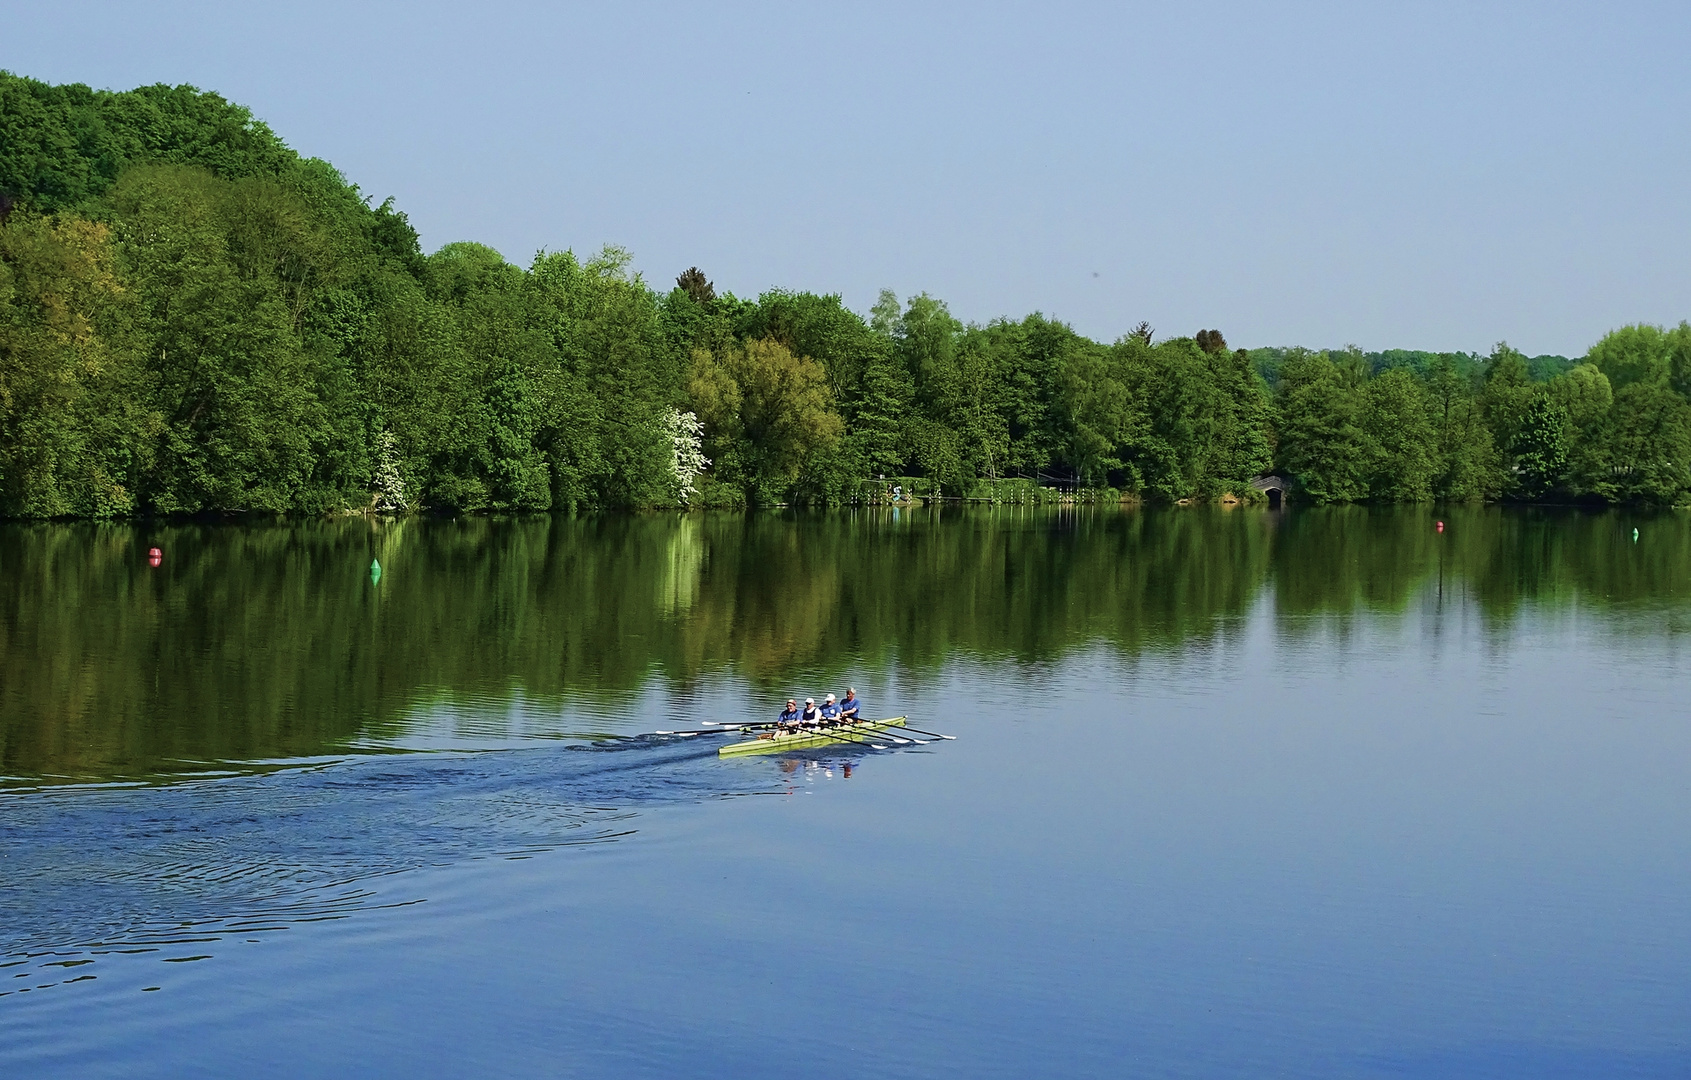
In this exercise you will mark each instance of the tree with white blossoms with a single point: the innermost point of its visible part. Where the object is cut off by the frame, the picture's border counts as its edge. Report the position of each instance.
(388, 484)
(686, 438)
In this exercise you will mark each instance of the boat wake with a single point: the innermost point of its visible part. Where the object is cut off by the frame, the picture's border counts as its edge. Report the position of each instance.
(92, 874)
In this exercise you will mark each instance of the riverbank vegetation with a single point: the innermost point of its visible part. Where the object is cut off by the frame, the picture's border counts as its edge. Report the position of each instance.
(194, 318)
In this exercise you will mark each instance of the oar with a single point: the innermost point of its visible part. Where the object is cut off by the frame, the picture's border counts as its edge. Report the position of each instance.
(920, 742)
(854, 732)
(830, 727)
(935, 734)
(859, 727)
(835, 731)
(723, 727)
(720, 729)
(830, 730)
(841, 723)
(723, 730)
(852, 738)
(887, 732)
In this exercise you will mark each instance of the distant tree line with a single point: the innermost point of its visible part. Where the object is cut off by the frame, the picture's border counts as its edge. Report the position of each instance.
(194, 318)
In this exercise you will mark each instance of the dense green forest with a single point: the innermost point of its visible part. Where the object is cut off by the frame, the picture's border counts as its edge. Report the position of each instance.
(194, 318)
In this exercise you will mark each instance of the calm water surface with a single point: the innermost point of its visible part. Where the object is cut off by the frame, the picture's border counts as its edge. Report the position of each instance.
(1328, 793)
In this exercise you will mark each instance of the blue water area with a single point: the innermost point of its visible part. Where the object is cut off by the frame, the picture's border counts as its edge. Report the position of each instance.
(1420, 838)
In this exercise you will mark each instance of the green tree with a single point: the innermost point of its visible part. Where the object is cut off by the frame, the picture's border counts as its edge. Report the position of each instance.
(235, 391)
(765, 411)
(195, 318)
(883, 400)
(1505, 399)
(926, 341)
(1466, 466)
(1637, 353)
(1584, 395)
(1643, 452)
(1398, 431)
(1099, 415)
(1322, 443)
(71, 440)
(1541, 448)
(1030, 357)
(606, 397)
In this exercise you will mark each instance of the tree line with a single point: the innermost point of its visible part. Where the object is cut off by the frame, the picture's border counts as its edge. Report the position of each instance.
(194, 318)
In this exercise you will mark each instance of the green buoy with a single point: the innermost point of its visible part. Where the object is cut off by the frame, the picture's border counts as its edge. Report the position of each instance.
(375, 572)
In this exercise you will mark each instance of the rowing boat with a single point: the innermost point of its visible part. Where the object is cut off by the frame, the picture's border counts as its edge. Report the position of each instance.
(835, 734)
(858, 733)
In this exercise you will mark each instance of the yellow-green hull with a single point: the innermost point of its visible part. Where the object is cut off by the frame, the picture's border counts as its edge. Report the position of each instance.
(842, 734)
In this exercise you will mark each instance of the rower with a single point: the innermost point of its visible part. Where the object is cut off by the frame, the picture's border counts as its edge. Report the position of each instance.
(830, 711)
(850, 707)
(789, 716)
(811, 714)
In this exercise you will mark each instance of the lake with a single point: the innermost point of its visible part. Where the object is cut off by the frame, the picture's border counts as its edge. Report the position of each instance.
(1233, 793)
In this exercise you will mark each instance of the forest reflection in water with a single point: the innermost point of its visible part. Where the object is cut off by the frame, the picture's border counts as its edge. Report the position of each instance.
(254, 643)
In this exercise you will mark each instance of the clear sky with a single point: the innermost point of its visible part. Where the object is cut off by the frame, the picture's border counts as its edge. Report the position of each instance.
(1397, 175)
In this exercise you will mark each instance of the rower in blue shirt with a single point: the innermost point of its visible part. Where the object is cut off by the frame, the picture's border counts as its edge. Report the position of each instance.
(790, 715)
(850, 707)
(830, 711)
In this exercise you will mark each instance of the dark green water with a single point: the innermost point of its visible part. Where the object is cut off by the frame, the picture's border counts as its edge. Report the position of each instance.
(1327, 792)
(273, 642)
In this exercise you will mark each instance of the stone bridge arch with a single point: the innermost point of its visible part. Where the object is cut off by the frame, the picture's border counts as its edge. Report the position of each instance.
(1274, 486)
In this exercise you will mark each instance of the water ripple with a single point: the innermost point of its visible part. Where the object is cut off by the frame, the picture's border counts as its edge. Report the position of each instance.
(91, 874)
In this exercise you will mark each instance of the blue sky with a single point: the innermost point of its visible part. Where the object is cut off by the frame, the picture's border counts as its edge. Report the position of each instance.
(1423, 175)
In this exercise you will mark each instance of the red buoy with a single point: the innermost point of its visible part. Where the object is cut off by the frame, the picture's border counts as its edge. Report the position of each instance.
(154, 556)
(1441, 526)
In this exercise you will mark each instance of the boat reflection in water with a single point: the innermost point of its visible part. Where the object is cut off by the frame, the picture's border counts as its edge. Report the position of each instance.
(813, 769)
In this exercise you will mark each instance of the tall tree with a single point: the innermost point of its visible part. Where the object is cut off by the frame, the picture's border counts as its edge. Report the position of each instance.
(1465, 462)
(71, 435)
(1398, 432)
(767, 409)
(1322, 443)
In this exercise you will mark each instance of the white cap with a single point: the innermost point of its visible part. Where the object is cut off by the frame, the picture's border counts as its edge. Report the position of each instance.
(830, 697)
(810, 701)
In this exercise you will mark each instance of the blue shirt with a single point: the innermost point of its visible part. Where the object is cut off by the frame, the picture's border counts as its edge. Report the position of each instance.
(830, 712)
(789, 716)
(849, 709)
